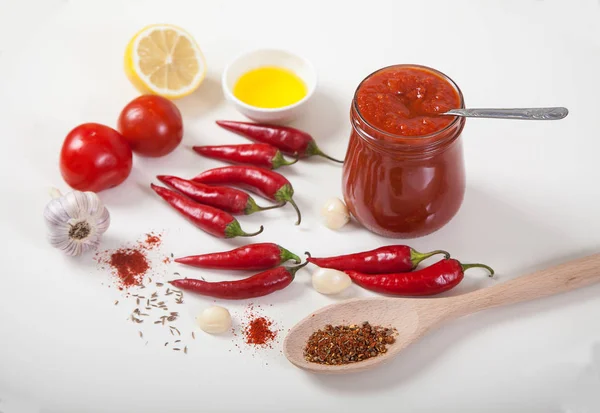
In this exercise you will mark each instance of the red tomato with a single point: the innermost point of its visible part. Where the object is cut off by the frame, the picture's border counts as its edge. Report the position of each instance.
(94, 157)
(152, 125)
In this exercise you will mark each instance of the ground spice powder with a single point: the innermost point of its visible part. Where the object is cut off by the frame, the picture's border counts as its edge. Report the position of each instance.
(152, 240)
(130, 266)
(259, 332)
(348, 344)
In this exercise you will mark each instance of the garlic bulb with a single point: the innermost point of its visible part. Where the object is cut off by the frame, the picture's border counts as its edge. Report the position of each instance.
(76, 221)
(328, 281)
(335, 213)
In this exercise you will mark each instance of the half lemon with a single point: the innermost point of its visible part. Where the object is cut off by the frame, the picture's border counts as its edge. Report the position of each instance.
(165, 60)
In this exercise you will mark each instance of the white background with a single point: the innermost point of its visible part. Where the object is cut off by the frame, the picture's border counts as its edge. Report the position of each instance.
(532, 200)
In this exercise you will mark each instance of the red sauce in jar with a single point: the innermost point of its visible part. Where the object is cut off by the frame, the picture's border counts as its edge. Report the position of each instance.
(404, 172)
(402, 100)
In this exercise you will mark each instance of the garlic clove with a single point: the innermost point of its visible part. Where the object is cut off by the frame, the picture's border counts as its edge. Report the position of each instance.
(214, 320)
(335, 213)
(329, 281)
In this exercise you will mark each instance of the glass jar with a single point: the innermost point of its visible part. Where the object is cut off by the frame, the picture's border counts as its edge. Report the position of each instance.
(404, 186)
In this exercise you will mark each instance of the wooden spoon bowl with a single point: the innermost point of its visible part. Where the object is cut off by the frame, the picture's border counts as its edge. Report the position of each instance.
(412, 318)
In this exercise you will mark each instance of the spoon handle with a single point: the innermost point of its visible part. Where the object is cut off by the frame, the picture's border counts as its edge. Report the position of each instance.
(523, 113)
(561, 278)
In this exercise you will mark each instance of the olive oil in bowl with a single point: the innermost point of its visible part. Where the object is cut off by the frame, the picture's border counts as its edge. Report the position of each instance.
(270, 87)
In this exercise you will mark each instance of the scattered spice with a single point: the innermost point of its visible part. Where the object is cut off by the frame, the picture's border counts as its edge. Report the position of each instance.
(130, 266)
(348, 344)
(258, 331)
(134, 270)
(153, 240)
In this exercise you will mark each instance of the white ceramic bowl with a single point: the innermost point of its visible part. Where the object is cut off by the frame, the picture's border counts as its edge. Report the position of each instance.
(269, 57)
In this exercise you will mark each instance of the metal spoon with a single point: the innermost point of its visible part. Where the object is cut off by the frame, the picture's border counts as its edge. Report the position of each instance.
(413, 318)
(522, 113)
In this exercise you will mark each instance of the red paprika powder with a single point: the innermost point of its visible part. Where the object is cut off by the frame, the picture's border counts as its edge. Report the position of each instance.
(258, 331)
(130, 265)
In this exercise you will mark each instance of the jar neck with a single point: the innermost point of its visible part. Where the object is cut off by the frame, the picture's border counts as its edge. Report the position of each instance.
(416, 145)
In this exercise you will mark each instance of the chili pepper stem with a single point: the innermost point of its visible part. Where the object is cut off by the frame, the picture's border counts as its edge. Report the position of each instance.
(235, 230)
(293, 203)
(467, 266)
(284, 194)
(313, 149)
(293, 270)
(278, 160)
(252, 207)
(287, 255)
(416, 257)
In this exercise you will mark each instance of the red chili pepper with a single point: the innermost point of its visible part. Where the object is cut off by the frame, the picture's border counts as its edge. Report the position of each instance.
(249, 257)
(290, 141)
(212, 220)
(392, 258)
(435, 279)
(267, 183)
(257, 285)
(257, 154)
(230, 200)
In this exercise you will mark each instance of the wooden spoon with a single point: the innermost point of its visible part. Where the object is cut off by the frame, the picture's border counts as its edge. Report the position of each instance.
(415, 317)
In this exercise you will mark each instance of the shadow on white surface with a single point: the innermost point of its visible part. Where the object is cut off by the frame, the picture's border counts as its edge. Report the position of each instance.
(582, 394)
(208, 96)
(323, 107)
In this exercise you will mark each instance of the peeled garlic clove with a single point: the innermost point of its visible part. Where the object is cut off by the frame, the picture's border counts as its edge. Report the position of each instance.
(328, 281)
(214, 320)
(335, 213)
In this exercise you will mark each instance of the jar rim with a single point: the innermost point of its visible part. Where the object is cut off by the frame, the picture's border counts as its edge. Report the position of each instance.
(418, 137)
